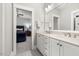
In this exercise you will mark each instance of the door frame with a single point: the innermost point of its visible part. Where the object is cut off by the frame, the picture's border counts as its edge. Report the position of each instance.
(15, 6)
(72, 18)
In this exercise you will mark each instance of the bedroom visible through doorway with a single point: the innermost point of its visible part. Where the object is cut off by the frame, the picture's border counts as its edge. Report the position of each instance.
(23, 31)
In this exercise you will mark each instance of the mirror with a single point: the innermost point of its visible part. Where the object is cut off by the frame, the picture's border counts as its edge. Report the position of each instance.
(62, 16)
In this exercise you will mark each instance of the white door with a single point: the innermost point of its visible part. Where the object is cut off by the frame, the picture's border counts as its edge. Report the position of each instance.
(70, 50)
(46, 45)
(54, 47)
(38, 41)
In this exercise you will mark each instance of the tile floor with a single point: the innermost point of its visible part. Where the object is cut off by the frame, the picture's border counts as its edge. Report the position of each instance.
(24, 49)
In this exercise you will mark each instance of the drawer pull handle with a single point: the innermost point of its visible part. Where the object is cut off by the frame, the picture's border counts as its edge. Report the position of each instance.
(60, 44)
(57, 43)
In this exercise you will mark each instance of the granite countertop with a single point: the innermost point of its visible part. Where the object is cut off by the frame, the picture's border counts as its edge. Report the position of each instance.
(70, 40)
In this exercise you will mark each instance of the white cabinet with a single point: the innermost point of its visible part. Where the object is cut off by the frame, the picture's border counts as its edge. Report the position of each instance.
(64, 49)
(54, 47)
(38, 41)
(59, 48)
(43, 44)
(47, 46)
(67, 49)
(70, 50)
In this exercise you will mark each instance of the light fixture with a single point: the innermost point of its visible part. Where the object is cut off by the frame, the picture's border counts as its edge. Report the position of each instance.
(46, 9)
(49, 7)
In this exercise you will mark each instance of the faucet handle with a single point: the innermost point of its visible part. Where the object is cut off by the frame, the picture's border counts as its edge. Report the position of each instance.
(67, 34)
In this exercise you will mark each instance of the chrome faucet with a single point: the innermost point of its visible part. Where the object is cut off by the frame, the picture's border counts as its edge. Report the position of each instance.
(68, 34)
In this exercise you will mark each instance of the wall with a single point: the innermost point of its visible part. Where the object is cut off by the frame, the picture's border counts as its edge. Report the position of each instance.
(6, 15)
(26, 19)
(8, 28)
(25, 22)
(22, 21)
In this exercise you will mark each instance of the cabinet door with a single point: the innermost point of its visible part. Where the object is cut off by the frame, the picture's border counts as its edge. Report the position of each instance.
(54, 47)
(46, 46)
(38, 41)
(70, 50)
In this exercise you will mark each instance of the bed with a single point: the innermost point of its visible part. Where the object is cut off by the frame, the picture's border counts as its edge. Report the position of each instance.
(21, 34)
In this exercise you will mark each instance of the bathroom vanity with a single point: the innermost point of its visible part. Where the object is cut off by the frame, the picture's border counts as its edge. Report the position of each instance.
(57, 45)
(60, 36)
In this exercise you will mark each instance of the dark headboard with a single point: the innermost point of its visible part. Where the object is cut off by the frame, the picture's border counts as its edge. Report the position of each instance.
(20, 27)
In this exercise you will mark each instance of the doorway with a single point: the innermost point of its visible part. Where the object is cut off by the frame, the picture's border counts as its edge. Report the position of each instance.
(23, 29)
